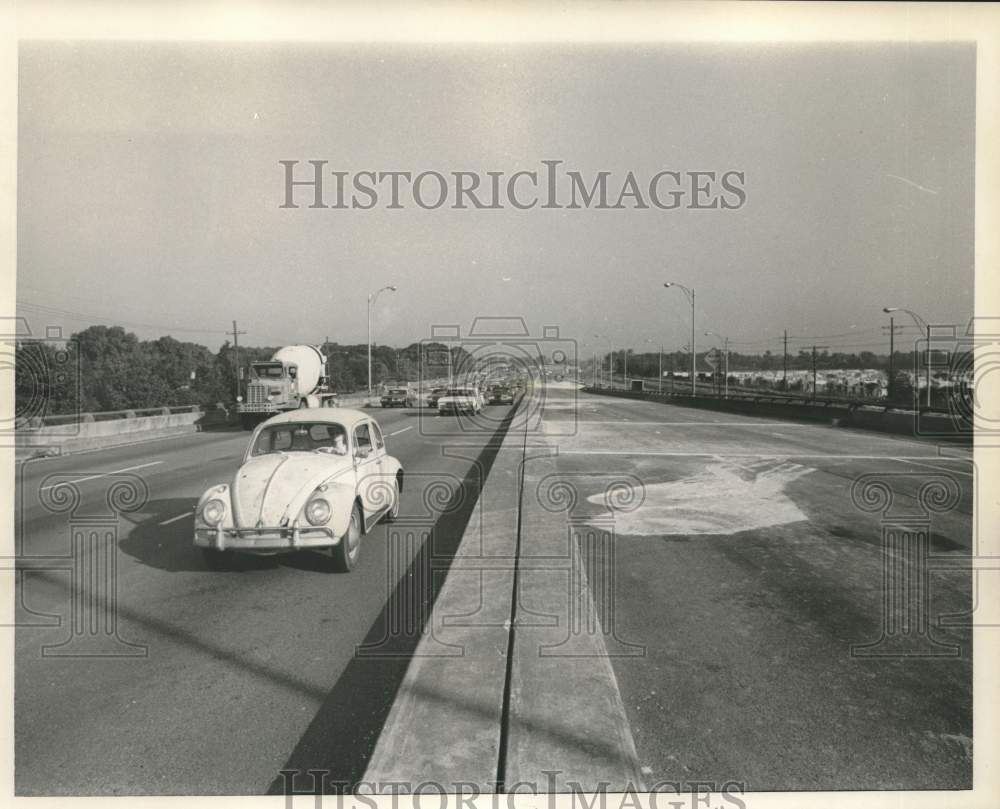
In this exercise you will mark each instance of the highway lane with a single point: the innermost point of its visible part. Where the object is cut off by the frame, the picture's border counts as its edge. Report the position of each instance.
(246, 670)
(739, 584)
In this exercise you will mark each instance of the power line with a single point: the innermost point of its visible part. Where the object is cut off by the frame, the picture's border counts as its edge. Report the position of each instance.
(91, 319)
(71, 314)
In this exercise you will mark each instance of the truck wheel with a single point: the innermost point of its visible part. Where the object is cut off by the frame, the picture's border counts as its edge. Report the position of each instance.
(345, 554)
(248, 422)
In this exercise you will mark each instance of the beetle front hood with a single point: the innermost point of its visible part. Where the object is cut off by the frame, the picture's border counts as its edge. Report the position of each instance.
(271, 488)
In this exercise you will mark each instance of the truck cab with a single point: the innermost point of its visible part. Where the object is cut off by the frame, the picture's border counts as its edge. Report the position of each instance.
(294, 377)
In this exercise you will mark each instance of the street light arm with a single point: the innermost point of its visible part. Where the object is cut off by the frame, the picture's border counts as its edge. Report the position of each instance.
(688, 293)
(373, 296)
(921, 323)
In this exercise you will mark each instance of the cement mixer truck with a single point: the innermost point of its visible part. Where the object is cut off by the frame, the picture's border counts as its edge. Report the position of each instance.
(294, 377)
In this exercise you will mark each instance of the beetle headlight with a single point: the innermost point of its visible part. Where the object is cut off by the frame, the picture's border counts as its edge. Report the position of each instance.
(213, 511)
(318, 511)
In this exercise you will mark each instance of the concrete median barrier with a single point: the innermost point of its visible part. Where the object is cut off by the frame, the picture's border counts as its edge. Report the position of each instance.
(483, 702)
(445, 724)
(568, 729)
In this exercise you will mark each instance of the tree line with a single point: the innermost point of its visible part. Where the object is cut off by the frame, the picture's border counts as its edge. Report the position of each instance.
(104, 368)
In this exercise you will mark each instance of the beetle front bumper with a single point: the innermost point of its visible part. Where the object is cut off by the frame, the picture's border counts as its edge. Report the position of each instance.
(265, 539)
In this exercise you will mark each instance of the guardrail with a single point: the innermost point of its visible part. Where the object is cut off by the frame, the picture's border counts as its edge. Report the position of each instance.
(683, 387)
(775, 397)
(924, 423)
(37, 422)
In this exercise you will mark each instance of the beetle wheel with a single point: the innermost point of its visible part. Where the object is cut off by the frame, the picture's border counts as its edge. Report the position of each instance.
(345, 553)
(393, 513)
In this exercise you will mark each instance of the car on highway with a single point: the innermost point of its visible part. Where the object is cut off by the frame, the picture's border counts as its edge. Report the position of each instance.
(434, 395)
(500, 394)
(465, 399)
(397, 397)
(312, 478)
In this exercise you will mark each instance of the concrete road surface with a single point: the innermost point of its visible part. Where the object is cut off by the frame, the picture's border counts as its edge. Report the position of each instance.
(740, 589)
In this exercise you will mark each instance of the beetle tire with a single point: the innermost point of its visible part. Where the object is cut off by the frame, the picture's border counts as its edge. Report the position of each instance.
(345, 553)
(393, 513)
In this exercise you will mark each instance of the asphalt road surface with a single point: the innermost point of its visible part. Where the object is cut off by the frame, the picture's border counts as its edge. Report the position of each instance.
(217, 680)
(746, 580)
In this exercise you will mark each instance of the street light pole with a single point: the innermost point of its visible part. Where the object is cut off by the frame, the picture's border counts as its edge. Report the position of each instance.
(659, 383)
(690, 296)
(372, 297)
(925, 327)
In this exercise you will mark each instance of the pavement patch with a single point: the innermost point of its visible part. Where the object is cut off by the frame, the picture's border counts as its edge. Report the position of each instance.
(718, 500)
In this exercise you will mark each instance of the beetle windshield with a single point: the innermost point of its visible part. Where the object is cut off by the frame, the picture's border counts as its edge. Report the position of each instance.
(301, 437)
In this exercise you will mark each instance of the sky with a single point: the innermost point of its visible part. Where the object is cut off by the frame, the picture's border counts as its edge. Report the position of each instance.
(150, 189)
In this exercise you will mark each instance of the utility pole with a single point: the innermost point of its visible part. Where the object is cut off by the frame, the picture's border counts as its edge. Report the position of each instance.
(326, 353)
(726, 366)
(660, 383)
(784, 364)
(814, 367)
(236, 354)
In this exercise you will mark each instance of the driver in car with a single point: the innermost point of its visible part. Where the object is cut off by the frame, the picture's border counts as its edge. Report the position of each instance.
(337, 445)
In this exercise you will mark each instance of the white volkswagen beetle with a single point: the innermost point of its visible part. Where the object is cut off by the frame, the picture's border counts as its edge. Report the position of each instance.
(311, 478)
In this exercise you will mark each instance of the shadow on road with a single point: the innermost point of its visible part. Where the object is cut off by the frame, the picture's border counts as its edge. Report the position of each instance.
(171, 547)
(342, 736)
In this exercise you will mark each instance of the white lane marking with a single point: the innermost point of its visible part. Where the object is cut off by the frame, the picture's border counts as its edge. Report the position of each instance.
(102, 475)
(390, 435)
(178, 517)
(940, 468)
